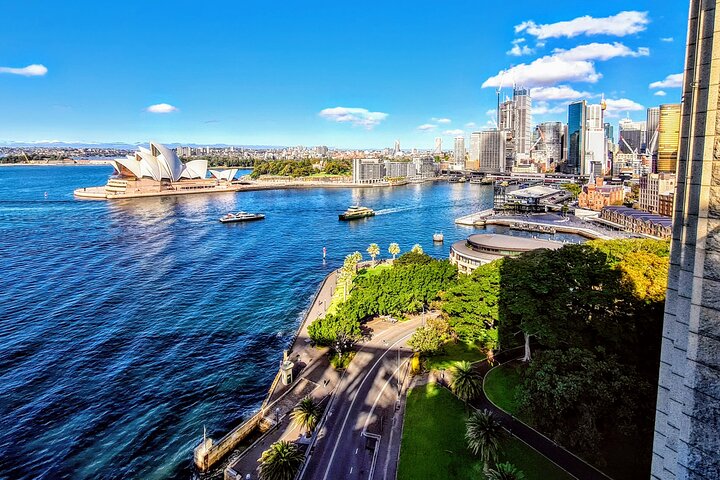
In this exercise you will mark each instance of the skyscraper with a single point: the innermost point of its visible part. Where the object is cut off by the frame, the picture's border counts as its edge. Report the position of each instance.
(459, 158)
(522, 104)
(609, 132)
(438, 145)
(473, 161)
(595, 153)
(687, 438)
(396, 148)
(576, 138)
(491, 150)
(632, 136)
(653, 120)
(668, 137)
(551, 138)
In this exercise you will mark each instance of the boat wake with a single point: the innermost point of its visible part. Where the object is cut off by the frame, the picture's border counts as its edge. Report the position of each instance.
(387, 211)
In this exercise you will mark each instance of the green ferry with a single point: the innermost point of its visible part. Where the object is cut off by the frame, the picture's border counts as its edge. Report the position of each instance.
(356, 212)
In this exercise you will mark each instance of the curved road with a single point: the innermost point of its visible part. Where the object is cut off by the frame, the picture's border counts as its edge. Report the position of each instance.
(361, 438)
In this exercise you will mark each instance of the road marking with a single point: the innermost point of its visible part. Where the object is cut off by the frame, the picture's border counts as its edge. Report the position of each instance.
(347, 415)
(351, 469)
(372, 409)
(356, 450)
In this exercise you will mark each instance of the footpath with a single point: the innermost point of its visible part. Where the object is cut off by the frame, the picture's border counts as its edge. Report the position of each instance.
(566, 460)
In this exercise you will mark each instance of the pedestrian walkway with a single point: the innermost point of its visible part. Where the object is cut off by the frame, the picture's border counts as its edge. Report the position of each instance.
(572, 464)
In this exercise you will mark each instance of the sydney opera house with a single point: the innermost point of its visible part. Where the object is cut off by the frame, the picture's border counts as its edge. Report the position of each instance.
(158, 171)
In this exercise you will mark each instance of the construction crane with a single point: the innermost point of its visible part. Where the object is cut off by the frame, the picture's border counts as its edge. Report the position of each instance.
(498, 92)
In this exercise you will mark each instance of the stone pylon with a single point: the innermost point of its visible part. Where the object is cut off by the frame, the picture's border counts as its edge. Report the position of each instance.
(687, 424)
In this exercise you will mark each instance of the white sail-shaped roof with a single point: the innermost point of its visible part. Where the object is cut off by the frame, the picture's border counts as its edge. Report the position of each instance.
(225, 174)
(159, 163)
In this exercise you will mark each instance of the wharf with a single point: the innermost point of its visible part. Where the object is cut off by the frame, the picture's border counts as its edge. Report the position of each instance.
(542, 223)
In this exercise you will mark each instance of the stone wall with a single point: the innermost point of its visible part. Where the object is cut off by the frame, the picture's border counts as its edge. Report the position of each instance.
(687, 426)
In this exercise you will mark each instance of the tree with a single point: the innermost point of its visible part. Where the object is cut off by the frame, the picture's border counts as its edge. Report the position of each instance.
(306, 415)
(505, 471)
(466, 383)
(357, 258)
(428, 340)
(326, 330)
(282, 461)
(417, 248)
(373, 250)
(471, 305)
(483, 434)
(413, 258)
(576, 395)
(394, 249)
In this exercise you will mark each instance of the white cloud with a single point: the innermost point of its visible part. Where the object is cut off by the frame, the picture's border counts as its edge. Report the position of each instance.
(357, 116)
(492, 112)
(660, 93)
(426, 126)
(441, 120)
(548, 70)
(600, 51)
(33, 70)
(615, 106)
(520, 48)
(671, 81)
(561, 92)
(667, 39)
(471, 125)
(544, 108)
(161, 108)
(457, 131)
(624, 23)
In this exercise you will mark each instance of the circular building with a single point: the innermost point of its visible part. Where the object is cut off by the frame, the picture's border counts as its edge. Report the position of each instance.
(483, 248)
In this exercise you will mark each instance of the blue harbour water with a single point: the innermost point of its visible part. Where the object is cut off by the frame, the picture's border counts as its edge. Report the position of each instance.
(127, 326)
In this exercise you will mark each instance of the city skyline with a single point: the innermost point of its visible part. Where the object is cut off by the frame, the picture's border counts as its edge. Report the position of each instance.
(266, 77)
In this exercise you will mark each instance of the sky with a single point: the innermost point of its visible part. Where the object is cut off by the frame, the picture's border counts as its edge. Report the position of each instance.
(335, 73)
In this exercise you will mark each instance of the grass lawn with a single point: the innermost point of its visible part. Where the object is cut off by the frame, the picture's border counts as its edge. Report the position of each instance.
(501, 386)
(433, 442)
(622, 454)
(455, 352)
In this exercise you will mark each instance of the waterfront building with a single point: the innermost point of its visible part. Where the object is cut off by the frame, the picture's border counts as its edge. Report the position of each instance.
(459, 153)
(687, 437)
(368, 170)
(399, 169)
(595, 145)
(425, 167)
(483, 248)
(576, 133)
(636, 221)
(491, 150)
(651, 187)
(597, 195)
(528, 200)
(668, 137)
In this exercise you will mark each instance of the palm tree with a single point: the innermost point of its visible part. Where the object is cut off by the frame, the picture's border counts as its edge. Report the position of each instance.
(466, 383)
(483, 434)
(417, 248)
(373, 250)
(282, 461)
(357, 256)
(505, 471)
(394, 249)
(306, 415)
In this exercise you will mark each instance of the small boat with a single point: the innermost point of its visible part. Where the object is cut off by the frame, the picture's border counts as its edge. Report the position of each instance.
(462, 180)
(241, 217)
(438, 237)
(356, 212)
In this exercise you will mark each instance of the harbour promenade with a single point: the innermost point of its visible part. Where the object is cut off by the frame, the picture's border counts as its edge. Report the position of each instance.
(313, 376)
